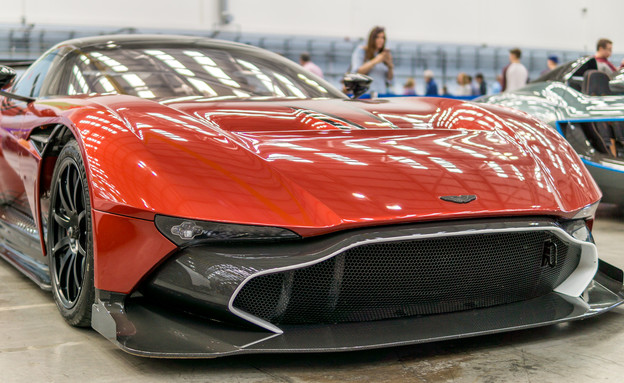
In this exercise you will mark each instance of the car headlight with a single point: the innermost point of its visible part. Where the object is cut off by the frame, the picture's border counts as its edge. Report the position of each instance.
(580, 225)
(588, 212)
(578, 229)
(185, 231)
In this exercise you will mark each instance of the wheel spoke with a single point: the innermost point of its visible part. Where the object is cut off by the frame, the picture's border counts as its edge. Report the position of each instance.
(68, 183)
(69, 286)
(82, 226)
(62, 263)
(62, 274)
(71, 277)
(77, 277)
(63, 198)
(83, 263)
(75, 187)
(60, 245)
(76, 194)
(61, 220)
(81, 216)
(81, 250)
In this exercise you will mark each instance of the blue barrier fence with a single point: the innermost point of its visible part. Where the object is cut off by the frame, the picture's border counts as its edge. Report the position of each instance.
(390, 95)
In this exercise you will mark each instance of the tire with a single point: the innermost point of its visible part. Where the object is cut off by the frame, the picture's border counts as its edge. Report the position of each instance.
(70, 238)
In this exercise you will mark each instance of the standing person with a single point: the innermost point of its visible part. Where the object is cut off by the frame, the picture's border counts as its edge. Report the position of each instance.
(482, 85)
(474, 91)
(551, 63)
(463, 85)
(431, 88)
(375, 61)
(306, 63)
(515, 75)
(497, 87)
(604, 47)
(409, 88)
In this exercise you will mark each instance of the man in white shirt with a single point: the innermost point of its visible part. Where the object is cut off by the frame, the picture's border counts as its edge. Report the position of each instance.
(515, 75)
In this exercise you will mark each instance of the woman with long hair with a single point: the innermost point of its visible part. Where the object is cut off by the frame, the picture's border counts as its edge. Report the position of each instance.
(375, 61)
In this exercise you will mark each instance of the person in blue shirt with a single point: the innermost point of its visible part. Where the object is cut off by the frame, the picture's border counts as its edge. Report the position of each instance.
(431, 88)
(497, 87)
(375, 61)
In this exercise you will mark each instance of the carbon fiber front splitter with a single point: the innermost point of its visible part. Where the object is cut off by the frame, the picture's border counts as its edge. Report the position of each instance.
(147, 329)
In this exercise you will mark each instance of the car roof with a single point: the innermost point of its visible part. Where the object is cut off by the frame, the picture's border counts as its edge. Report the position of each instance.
(111, 41)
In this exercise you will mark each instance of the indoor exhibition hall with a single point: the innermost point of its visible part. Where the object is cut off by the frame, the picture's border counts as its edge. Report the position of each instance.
(351, 191)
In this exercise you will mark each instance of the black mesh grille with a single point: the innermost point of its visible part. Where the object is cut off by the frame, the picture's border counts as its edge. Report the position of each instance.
(416, 277)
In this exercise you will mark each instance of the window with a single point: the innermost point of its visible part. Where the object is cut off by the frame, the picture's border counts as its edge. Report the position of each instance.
(29, 84)
(186, 71)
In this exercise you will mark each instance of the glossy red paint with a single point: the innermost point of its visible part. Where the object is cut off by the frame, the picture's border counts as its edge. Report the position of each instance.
(125, 250)
(313, 166)
(11, 183)
(22, 171)
(11, 186)
(265, 163)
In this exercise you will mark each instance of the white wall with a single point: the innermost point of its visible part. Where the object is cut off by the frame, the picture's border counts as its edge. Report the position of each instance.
(526, 23)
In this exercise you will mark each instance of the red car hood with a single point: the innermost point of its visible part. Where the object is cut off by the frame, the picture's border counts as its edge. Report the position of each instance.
(318, 166)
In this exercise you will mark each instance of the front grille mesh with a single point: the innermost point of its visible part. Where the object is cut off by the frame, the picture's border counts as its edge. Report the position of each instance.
(408, 278)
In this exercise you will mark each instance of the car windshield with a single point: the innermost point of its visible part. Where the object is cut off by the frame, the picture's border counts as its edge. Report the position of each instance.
(572, 73)
(556, 74)
(189, 71)
(570, 69)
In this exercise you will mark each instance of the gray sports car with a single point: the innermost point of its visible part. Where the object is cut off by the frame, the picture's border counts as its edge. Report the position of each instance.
(586, 106)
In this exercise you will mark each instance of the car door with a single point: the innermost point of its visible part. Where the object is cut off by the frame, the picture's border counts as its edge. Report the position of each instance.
(17, 119)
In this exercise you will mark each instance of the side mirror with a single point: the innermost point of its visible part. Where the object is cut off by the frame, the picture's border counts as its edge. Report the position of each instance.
(7, 75)
(356, 83)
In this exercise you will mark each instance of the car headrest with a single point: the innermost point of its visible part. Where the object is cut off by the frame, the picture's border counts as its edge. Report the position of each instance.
(596, 83)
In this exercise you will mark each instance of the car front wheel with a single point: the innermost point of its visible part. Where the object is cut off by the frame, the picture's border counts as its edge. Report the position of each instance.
(70, 243)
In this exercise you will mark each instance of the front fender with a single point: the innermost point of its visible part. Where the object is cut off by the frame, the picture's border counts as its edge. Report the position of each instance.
(145, 158)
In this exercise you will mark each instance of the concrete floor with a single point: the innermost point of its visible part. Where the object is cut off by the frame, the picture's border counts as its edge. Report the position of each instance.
(37, 346)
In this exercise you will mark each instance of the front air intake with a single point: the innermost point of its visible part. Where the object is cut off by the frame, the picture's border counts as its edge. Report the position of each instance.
(414, 277)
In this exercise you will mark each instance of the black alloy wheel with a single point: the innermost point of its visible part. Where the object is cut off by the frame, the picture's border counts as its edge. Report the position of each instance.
(70, 245)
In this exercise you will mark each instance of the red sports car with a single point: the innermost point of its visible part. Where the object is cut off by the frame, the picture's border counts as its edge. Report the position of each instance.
(189, 197)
